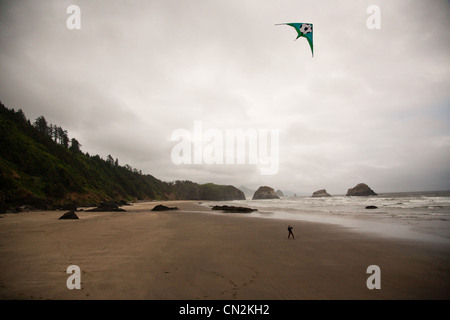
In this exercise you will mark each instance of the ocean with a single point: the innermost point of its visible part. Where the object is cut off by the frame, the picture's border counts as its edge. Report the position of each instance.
(422, 216)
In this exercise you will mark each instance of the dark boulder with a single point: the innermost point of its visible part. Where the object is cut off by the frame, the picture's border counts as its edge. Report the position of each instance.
(107, 207)
(161, 207)
(69, 215)
(371, 207)
(361, 189)
(234, 209)
(265, 192)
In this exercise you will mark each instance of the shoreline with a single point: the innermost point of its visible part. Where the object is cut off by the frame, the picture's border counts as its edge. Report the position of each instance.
(428, 231)
(193, 254)
(365, 227)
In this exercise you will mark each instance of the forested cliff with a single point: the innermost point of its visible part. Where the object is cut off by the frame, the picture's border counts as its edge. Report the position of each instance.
(41, 167)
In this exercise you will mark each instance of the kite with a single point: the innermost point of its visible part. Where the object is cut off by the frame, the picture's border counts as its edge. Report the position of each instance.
(304, 30)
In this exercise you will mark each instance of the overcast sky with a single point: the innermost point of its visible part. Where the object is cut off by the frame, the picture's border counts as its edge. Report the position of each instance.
(372, 105)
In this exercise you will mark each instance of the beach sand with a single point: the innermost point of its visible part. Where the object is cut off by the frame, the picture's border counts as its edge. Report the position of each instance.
(192, 254)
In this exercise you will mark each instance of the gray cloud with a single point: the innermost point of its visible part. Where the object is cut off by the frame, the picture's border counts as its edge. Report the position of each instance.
(371, 106)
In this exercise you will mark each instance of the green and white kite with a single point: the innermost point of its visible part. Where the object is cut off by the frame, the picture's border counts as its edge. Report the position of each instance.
(304, 30)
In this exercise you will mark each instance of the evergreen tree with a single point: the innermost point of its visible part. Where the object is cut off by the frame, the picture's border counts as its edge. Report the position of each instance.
(55, 133)
(110, 160)
(75, 145)
(42, 125)
(21, 115)
(65, 139)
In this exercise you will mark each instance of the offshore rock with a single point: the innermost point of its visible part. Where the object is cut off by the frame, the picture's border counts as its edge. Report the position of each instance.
(321, 193)
(361, 189)
(265, 192)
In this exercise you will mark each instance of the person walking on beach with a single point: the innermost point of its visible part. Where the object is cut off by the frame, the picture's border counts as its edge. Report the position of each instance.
(290, 232)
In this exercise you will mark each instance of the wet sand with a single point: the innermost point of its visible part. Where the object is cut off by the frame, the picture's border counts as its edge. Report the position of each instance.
(192, 254)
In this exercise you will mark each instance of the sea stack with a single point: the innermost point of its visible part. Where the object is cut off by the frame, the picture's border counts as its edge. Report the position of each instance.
(280, 193)
(361, 189)
(321, 193)
(265, 192)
